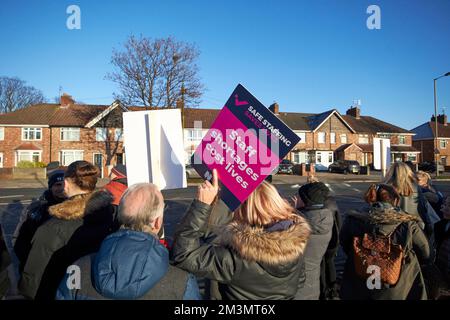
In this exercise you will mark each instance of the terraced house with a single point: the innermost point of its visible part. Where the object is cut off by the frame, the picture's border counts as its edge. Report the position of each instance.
(63, 132)
(69, 131)
(325, 137)
(433, 147)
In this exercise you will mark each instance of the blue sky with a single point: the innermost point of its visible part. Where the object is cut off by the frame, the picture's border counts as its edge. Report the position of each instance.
(308, 56)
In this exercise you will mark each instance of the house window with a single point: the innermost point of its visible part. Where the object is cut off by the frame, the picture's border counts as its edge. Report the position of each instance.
(363, 139)
(330, 157)
(401, 139)
(300, 157)
(69, 156)
(70, 134)
(118, 134)
(443, 144)
(100, 134)
(2, 133)
(343, 138)
(26, 155)
(31, 133)
(384, 136)
(412, 157)
(444, 161)
(195, 135)
(321, 137)
(302, 136)
(333, 137)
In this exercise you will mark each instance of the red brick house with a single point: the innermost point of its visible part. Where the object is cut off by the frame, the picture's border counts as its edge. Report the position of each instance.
(62, 132)
(325, 137)
(425, 140)
(68, 131)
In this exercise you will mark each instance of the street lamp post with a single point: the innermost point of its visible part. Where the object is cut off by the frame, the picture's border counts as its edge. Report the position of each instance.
(436, 144)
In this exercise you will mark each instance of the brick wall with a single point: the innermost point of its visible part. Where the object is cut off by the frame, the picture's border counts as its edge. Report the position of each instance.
(427, 149)
(334, 124)
(51, 145)
(13, 139)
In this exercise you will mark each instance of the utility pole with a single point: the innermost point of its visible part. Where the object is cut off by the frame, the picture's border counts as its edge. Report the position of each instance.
(436, 144)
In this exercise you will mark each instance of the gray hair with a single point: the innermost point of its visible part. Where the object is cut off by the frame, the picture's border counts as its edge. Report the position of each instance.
(139, 206)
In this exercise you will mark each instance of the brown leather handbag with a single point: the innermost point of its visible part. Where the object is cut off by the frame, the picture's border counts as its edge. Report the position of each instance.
(378, 250)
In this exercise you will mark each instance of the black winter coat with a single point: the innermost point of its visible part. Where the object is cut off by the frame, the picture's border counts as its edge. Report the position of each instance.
(77, 228)
(36, 215)
(5, 261)
(248, 262)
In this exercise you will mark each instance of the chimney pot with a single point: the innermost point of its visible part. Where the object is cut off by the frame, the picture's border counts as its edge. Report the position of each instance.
(354, 112)
(66, 100)
(275, 108)
(442, 119)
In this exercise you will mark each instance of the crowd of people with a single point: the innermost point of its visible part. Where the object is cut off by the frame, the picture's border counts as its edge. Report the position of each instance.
(397, 247)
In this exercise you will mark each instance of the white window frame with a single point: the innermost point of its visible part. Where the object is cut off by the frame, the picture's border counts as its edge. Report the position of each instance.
(363, 136)
(2, 133)
(198, 136)
(400, 138)
(33, 152)
(411, 155)
(116, 134)
(35, 130)
(61, 156)
(343, 137)
(440, 144)
(302, 136)
(69, 131)
(103, 160)
(321, 137)
(333, 138)
(101, 134)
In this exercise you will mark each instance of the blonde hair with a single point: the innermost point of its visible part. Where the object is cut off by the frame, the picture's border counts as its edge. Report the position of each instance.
(311, 178)
(264, 207)
(402, 178)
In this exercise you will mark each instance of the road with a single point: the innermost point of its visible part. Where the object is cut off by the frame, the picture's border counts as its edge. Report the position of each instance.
(348, 194)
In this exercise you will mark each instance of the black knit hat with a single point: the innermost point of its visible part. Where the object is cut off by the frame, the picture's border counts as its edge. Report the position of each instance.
(55, 176)
(313, 193)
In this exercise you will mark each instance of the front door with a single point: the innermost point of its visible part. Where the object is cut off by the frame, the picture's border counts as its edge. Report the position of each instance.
(98, 161)
(323, 160)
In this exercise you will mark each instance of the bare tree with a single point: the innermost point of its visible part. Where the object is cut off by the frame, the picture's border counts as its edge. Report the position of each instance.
(15, 94)
(153, 72)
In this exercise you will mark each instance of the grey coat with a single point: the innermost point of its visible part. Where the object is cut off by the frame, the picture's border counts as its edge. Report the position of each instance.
(321, 222)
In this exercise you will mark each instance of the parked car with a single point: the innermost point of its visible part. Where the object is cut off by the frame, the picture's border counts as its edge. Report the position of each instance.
(345, 166)
(191, 172)
(285, 166)
(430, 167)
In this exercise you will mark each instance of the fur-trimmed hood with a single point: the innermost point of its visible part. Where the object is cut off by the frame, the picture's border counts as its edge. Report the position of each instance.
(268, 247)
(384, 214)
(82, 205)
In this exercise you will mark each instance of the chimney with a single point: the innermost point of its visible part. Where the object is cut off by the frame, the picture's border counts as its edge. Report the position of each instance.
(66, 100)
(354, 112)
(275, 108)
(442, 119)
